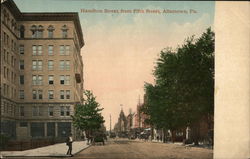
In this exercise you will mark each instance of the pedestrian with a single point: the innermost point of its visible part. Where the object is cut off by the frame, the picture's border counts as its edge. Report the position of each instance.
(69, 142)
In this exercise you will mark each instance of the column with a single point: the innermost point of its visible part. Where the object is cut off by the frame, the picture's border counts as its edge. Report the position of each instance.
(56, 129)
(45, 129)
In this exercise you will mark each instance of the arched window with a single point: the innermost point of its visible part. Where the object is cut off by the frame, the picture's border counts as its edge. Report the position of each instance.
(50, 31)
(40, 31)
(33, 31)
(64, 31)
(7, 19)
(4, 16)
(21, 31)
(13, 24)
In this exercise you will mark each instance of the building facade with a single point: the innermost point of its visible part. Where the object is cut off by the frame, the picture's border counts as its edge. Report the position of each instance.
(41, 72)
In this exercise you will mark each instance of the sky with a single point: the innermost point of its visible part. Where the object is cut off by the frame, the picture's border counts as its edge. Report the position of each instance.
(121, 48)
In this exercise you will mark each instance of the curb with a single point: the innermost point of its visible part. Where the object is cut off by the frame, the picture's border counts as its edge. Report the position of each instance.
(61, 156)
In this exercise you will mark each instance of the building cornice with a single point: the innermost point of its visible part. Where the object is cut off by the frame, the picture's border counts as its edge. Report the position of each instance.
(47, 16)
(10, 4)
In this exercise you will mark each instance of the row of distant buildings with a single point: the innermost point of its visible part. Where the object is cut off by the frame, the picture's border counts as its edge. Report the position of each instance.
(134, 125)
(41, 72)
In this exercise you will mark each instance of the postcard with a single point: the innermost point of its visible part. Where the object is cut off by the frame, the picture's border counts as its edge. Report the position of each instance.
(124, 79)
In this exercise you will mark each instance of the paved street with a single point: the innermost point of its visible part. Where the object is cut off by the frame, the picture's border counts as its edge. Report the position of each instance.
(134, 149)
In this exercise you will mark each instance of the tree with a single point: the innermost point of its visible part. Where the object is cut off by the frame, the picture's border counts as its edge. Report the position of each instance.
(88, 116)
(184, 84)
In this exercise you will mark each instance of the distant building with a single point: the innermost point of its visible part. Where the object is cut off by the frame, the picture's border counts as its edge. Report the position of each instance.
(41, 72)
(121, 125)
(140, 118)
(130, 124)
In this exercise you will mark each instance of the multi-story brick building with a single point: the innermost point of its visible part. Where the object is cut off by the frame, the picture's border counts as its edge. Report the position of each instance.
(41, 72)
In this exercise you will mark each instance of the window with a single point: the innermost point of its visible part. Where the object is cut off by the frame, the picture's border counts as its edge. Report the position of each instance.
(13, 93)
(62, 63)
(67, 80)
(13, 24)
(21, 110)
(21, 94)
(34, 95)
(50, 34)
(15, 46)
(21, 64)
(50, 31)
(51, 79)
(4, 37)
(67, 94)
(37, 79)
(40, 94)
(5, 16)
(40, 80)
(12, 45)
(4, 89)
(35, 111)
(51, 110)
(34, 79)
(50, 50)
(7, 40)
(51, 94)
(62, 94)
(4, 72)
(33, 31)
(39, 65)
(8, 92)
(12, 60)
(67, 65)
(34, 50)
(64, 49)
(8, 74)
(8, 57)
(67, 50)
(50, 65)
(62, 110)
(64, 31)
(4, 55)
(37, 94)
(21, 78)
(21, 31)
(37, 50)
(34, 65)
(67, 111)
(40, 31)
(62, 79)
(12, 77)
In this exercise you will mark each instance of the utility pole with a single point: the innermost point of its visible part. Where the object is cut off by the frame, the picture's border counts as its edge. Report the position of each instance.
(110, 125)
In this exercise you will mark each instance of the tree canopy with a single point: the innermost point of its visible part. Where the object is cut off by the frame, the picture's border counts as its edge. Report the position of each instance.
(184, 84)
(88, 115)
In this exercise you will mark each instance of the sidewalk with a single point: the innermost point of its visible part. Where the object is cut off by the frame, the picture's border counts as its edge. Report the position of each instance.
(56, 150)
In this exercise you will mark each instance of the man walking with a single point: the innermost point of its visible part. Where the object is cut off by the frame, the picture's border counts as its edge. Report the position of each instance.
(69, 142)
